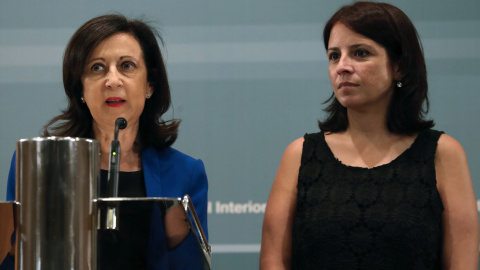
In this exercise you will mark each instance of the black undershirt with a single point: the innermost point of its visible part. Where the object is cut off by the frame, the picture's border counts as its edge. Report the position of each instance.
(130, 184)
(124, 249)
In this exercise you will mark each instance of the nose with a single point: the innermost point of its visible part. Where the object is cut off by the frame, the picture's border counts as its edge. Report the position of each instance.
(113, 79)
(344, 65)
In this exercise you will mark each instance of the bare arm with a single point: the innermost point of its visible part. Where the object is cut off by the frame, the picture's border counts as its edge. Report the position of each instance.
(278, 221)
(460, 217)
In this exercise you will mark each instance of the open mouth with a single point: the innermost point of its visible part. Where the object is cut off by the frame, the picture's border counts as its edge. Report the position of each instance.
(115, 102)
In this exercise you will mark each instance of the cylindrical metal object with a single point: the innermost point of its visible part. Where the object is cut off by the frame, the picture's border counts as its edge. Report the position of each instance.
(57, 180)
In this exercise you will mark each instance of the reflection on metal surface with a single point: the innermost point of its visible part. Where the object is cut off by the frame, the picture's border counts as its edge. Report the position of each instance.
(8, 215)
(56, 183)
(206, 249)
(111, 221)
(147, 229)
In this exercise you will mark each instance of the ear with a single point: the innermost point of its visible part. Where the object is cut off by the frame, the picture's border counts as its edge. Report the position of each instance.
(397, 72)
(82, 99)
(150, 90)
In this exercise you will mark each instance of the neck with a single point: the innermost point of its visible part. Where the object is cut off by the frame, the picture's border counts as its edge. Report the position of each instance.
(129, 156)
(367, 124)
(367, 142)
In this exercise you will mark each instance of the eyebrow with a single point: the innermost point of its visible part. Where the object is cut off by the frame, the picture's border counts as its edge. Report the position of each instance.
(354, 46)
(95, 59)
(127, 56)
(103, 59)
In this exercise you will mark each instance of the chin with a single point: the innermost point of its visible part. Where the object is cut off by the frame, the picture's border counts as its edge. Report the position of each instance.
(346, 102)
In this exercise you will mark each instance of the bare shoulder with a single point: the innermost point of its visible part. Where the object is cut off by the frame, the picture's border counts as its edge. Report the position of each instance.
(460, 216)
(295, 148)
(290, 163)
(279, 215)
(451, 165)
(449, 148)
(292, 156)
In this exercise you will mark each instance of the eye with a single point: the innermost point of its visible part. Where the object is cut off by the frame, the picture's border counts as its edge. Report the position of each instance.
(128, 65)
(361, 53)
(333, 56)
(97, 67)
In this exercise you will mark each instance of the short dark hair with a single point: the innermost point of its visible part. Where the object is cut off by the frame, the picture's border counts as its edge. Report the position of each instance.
(391, 28)
(76, 120)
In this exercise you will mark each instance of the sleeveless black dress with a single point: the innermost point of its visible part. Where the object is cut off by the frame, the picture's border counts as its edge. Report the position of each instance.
(387, 217)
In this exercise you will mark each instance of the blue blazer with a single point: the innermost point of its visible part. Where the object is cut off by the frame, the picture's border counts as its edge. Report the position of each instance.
(167, 173)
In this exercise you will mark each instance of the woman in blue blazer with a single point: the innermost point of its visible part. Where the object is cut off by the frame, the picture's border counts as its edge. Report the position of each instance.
(113, 68)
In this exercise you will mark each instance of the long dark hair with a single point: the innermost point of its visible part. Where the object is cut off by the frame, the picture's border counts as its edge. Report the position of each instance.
(76, 120)
(391, 28)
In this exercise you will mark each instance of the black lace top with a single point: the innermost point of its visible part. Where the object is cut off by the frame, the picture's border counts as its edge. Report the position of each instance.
(387, 217)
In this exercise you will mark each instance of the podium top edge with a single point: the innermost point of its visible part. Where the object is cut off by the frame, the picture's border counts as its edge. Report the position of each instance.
(115, 199)
(55, 138)
(119, 199)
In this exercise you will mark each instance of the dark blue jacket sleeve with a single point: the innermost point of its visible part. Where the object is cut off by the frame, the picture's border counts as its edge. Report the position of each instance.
(11, 180)
(187, 255)
(170, 173)
(8, 263)
(199, 193)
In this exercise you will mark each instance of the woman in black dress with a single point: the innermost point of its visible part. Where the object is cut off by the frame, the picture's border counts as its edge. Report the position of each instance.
(377, 188)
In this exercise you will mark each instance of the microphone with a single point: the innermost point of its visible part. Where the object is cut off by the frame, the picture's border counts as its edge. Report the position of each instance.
(114, 163)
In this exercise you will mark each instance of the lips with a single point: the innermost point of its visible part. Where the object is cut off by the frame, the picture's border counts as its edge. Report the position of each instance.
(115, 101)
(346, 84)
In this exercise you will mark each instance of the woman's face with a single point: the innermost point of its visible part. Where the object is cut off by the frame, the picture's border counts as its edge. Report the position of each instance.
(360, 70)
(115, 81)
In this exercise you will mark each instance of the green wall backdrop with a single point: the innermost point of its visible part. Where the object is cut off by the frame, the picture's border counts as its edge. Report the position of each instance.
(247, 78)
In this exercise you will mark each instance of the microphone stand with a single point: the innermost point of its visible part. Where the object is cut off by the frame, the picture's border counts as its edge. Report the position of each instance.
(113, 172)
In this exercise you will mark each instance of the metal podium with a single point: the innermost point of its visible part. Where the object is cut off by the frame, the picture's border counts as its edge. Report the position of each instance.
(61, 223)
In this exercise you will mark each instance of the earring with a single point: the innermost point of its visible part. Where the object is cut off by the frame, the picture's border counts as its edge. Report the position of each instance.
(149, 95)
(82, 100)
(399, 84)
